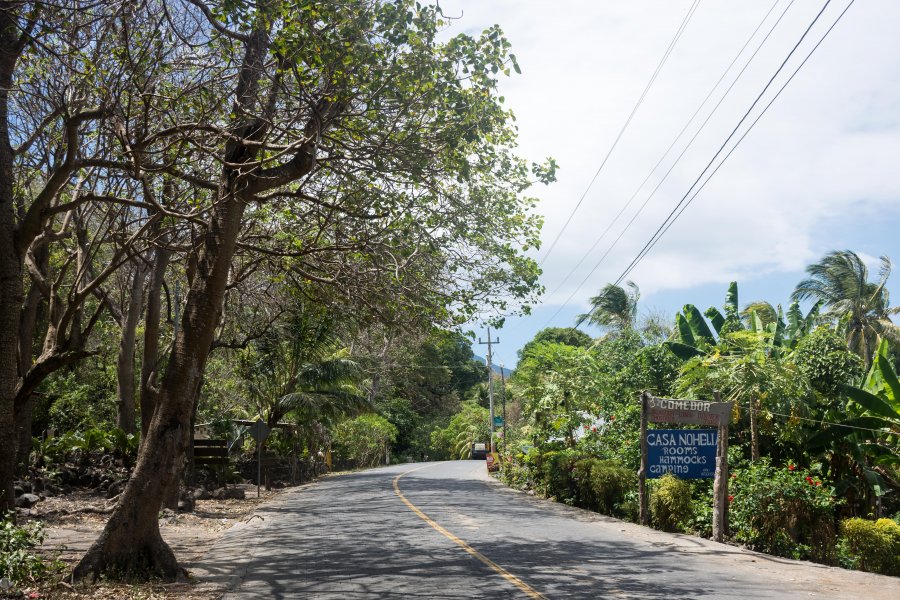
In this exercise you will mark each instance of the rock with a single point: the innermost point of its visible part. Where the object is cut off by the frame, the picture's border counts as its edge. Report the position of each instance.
(229, 493)
(67, 476)
(201, 494)
(38, 485)
(166, 513)
(115, 488)
(186, 505)
(27, 501)
(19, 490)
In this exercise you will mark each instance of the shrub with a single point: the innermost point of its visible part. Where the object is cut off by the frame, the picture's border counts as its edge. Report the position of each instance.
(603, 485)
(873, 545)
(670, 503)
(80, 444)
(361, 442)
(555, 474)
(18, 561)
(702, 508)
(783, 511)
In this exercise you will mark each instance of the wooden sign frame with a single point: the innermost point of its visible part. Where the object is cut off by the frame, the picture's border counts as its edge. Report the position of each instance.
(694, 412)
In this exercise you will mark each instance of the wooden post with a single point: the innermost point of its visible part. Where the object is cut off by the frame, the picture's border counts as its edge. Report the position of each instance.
(720, 485)
(642, 473)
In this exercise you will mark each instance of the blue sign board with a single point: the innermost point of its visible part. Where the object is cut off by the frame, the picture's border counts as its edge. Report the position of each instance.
(685, 453)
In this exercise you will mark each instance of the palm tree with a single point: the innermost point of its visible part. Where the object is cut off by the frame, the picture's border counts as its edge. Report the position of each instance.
(614, 307)
(860, 307)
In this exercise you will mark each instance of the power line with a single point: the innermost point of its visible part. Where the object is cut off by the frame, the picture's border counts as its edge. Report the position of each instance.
(810, 420)
(634, 110)
(672, 145)
(685, 201)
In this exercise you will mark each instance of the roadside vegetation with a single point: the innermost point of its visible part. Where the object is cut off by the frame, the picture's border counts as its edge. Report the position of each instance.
(814, 437)
(219, 213)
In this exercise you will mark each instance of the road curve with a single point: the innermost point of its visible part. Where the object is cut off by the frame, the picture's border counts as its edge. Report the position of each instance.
(447, 530)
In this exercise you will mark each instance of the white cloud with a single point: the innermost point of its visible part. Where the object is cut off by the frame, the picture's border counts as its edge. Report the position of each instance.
(826, 149)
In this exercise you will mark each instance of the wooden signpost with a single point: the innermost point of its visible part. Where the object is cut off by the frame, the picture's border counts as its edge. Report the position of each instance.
(686, 452)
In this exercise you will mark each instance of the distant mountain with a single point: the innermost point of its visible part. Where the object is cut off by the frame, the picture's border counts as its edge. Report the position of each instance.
(494, 367)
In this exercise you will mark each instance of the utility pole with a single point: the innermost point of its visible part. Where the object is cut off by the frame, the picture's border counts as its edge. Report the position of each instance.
(489, 342)
(503, 396)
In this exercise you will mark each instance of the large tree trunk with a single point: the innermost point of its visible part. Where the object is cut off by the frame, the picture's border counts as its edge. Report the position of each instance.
(131, 542)
(11, 288)
(125, 387)
(27, 326)
(150, 363)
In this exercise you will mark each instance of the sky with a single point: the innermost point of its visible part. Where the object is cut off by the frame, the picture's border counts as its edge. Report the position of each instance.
(818, 172)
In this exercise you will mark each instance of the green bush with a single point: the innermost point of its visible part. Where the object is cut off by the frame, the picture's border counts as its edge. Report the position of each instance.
(80, 400)
(80, 444)
(361, 442)
(18, 560)
(603, 485)
(670, 503)
(873, 545)
(783, 511)
(702, 508)
(555, 476)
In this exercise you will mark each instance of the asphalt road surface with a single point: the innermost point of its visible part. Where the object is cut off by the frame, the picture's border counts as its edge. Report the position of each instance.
(447, 530)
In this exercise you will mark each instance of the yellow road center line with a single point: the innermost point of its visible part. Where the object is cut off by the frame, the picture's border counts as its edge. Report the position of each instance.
(530, 591)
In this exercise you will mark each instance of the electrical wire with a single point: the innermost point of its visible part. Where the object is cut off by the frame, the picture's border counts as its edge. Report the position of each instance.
(674, 142)
(685, 202)
(659, 66)
(687, 198)
(811, 420)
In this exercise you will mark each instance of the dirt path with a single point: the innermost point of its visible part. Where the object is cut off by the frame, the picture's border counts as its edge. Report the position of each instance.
(70, 531)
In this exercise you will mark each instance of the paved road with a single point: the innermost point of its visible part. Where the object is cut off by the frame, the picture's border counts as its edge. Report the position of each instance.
(458, 534)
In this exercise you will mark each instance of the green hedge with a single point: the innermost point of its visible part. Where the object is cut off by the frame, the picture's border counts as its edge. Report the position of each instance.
(604, 486)
(671, 508)
(784, 511)
(873, 545)
(567, 476)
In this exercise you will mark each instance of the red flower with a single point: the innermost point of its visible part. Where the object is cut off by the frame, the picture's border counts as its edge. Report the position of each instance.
(790, 467)
(731, 498)
(593, 428)
(734, 475)
(818, 483)
(612, 418)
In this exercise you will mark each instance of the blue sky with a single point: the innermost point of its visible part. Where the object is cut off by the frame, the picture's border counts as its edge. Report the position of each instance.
(818, 172)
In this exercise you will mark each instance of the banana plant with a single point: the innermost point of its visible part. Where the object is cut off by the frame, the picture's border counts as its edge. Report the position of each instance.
(868, 439)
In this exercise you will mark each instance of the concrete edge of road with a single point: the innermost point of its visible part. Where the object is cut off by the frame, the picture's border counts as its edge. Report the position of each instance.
(681, 542)
(238, 558)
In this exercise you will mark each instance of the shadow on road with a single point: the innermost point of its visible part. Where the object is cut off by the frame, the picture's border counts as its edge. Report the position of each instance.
(351, 537)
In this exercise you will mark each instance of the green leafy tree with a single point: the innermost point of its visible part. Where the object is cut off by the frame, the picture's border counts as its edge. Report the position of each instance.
(346, 143)
(559, 387)
(469, 424)
(363, 441)
(614, 308)
(863, 444)
(569, 336)
(298, 368)
(746, 370)
(840, 280)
